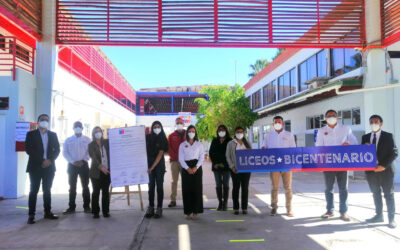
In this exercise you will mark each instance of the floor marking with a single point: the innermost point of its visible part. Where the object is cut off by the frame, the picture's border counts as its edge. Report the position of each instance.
(251, 240)
(229, 221)
(22, 207)
(184, 237)
(254, 208)
(214, 209)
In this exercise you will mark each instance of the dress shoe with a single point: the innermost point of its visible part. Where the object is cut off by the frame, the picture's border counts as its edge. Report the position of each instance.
(172, 204)
(244, 211)
(96, 216)
(327, 215)
(87, 210)
(273, 212)
(31, 220)
(106, 215)
(50, 216)
(236, 212)
(392, 224)
(344, 217)
(377, 218)
(69, 211)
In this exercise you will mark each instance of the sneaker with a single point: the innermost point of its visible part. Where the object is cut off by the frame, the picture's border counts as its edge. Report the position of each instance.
(392, 224)
(50, 216)
(273, 212)
(69, 211)
(158, 213)
(327, 215)
(149, 212)
(344, 217)
(377, 218)
(172, 204)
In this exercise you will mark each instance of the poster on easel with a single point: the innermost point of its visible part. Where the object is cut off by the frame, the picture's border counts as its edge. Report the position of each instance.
(128, 156)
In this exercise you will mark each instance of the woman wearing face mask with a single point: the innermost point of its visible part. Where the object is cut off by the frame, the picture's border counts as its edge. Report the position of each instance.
(191, 157)
(157, 145)
(239, 180)
(220, 166)
(100, 173)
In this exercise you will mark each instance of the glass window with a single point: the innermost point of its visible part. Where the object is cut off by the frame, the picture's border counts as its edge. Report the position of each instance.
(284, 85)
(356, 117)
(265, 94)
(310, 122)
(346, 117)
(352, 59)
(317, 121)
(288, 126)
(312, 67)
(255, 134)
(337, 62)
(293, 81)
(321, 62)
(303, 76)
(269, 93)
(256, 99)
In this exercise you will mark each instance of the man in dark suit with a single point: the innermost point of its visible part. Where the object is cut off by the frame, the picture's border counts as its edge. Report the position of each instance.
(382, 178)
(43, 149)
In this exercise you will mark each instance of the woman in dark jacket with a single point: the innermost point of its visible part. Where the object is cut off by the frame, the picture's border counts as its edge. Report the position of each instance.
(220, 166)
(157, 145)
(99, 173)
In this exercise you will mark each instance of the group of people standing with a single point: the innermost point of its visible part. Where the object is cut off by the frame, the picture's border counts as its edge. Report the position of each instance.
(187, 155)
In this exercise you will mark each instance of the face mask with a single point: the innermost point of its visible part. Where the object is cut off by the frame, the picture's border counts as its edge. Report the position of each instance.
(191, 135)
(98, 135)
(179, 126)
(157, 130)
(221, 133)
(239, 136)
(331, 120)
(277, 126)
(375, 127)
(44, 124)
(78, 130)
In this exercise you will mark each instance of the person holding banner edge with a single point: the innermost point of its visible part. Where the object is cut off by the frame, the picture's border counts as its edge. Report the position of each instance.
(157, 145)
(238, 179)
(280, 138)
(191, 157)
(382, 178)
(220, 166)
(99, 172)
(334, 134)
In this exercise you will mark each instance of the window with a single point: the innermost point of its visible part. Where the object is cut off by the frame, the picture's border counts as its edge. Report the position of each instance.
(2, 42)
(288, 126)
(284, 85)
(303, 76)
(310, 122)
(256, 99)
(312, 67)
(255, 134)
(266, 129)
(345, 60)
(321, 63)
(21, 53)
(356, 116)
(346, 117)
(269, 93)
(309, 69)
(293, 81)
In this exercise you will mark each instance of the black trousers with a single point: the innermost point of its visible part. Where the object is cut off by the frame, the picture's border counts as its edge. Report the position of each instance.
(157, 177)
(240, 180)
(44, 176)
(103, 184)
(192, 191)
(83, 173)
(382, 181)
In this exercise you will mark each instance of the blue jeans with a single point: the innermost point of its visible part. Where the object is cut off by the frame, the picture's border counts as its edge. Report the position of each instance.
(157, 177)
(342, 180)
(222, 178)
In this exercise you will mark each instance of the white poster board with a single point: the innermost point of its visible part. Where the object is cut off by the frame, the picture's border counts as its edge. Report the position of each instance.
(21, 129)
(128, 156)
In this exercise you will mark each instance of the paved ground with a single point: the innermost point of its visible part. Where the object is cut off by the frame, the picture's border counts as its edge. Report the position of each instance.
(126, 229)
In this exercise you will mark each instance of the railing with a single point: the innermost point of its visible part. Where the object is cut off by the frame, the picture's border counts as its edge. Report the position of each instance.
(390, 11)
(13, 55)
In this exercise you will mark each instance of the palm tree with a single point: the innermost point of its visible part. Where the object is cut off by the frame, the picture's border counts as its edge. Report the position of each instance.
(258, 66)
(278, 52)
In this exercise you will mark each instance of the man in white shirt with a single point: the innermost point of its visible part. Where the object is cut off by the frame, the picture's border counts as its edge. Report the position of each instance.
(75, 151)
(280, 138)
(334, 134)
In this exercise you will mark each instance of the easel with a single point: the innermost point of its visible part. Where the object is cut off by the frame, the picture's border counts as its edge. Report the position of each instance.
(128, 192)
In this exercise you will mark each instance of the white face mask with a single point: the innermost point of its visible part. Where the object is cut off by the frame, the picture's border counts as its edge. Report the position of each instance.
(98, 135)
(191, 135)
(331, 120)
(179, 126)
(277, 126)
(221, 133)
(239, 136)
(44, 124)
(157, 130)
(78, 130)
(375, 127)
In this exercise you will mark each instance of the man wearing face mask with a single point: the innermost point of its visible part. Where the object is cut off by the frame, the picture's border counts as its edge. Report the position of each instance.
(174, 140)
(382, 178)
(334, 134)
(75, 151)
(43, 148)
(280, 138)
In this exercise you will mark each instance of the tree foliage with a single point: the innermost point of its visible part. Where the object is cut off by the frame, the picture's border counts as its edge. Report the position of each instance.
(258, 66)
(226, 105)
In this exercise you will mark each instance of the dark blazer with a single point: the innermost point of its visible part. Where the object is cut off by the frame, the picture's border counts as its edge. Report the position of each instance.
(34, 148)
(217, 153)
(95, 155)
(386, 151)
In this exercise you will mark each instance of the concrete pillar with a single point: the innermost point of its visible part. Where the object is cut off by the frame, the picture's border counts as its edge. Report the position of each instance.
(46, 60)
(379, 102)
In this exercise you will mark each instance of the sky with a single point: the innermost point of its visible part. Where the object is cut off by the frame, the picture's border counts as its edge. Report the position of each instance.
(147, 67)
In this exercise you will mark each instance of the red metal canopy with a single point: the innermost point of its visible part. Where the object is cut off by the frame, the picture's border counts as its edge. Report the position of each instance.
(212, 23)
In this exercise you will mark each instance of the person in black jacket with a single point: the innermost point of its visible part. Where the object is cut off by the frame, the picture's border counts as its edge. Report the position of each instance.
(43, 148)
(220, 166)
(382, 178)
(157, 145)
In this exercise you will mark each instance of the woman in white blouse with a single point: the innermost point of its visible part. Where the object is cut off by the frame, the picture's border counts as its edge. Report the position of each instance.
(191, 157)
